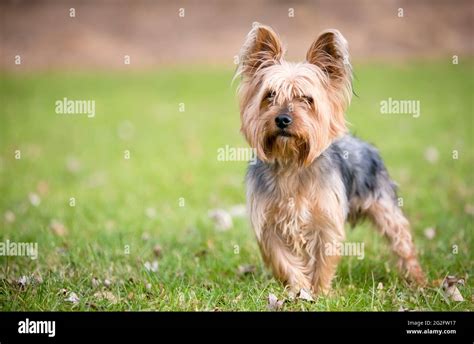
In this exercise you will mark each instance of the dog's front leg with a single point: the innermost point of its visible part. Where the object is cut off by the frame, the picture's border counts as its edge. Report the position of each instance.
(289, 267)
(325, 268)
(326, 255)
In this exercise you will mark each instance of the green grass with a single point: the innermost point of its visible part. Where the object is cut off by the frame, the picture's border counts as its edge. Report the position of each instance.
(174, 155)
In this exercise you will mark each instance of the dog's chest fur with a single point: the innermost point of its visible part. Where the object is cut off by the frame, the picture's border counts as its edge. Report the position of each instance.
(298, 204)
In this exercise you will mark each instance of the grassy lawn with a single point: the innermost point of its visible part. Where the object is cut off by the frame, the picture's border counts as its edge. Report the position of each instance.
(162, 194)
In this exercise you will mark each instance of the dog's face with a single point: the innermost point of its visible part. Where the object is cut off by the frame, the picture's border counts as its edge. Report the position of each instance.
(291, 112)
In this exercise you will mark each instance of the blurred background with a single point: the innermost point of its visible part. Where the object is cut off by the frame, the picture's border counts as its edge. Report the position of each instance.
(172, 108)
(211, 31)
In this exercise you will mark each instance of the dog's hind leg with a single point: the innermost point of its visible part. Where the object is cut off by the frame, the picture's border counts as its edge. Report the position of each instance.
(390, 221)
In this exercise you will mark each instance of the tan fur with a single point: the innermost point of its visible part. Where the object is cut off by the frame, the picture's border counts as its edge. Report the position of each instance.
(304, 207)
(294, 225)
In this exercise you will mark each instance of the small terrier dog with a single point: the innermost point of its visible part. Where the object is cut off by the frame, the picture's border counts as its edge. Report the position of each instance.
(311, 176)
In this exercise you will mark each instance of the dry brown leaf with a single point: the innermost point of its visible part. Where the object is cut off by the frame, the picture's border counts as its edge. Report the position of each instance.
(58, 228)
(62, 292)
(273, 303)
(9, 216)
(106, 295)
(244, 270)
(238, 298)
(42, 187)
(451, 290)
(157, 250)
(305, 295)
(95, 282)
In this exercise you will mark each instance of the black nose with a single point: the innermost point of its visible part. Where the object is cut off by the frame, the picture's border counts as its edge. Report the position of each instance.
(283, 121)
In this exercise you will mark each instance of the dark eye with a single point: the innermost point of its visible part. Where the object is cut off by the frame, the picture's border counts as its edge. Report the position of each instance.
(308, 99)
(270, 95)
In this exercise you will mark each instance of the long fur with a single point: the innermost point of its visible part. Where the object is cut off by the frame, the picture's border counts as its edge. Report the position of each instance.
(311, 177)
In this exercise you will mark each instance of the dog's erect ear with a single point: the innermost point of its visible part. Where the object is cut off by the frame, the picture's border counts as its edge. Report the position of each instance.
(261, 49)
(330, 53)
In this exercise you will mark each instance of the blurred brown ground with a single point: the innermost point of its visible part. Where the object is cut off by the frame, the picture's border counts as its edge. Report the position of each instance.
(211, 32)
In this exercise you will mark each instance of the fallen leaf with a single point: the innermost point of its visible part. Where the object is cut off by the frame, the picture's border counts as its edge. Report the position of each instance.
(221, 218)
(23, 281)
(273, 303)
(73, 298)
(91, 305)
(244, 270)
(62, 291)
(37, 277)
(431, 155)
(450, 289)
(95, 282)
(58, 228)
(208, 285)
(9, 216)
(34, 199)
(305, 295)
(42, 187)
(153, 267)
(106, 295)
(157, 250)
(238, 298)
(430, 233)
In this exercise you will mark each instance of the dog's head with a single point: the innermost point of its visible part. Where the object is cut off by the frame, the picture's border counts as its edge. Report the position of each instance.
(291, 112)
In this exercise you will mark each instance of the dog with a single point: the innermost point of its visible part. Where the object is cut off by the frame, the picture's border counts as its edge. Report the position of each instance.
(311, 176)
